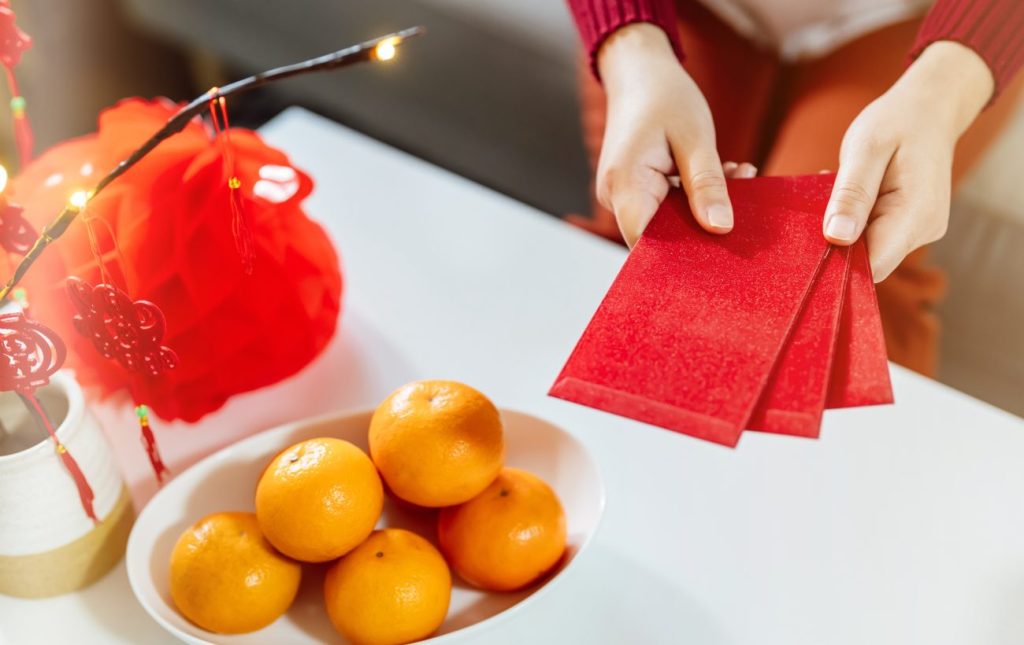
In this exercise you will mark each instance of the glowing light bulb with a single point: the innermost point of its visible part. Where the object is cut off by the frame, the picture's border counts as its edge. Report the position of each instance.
(78, 199)
(3, 178)
(385, 49)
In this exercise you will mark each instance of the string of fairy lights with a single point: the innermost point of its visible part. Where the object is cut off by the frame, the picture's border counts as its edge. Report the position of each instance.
(27, 355)
(381, 49)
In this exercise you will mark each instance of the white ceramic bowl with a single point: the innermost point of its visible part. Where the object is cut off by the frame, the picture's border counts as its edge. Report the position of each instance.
(226, 481)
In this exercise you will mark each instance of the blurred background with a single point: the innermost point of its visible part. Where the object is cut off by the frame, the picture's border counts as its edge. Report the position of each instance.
(490, 95)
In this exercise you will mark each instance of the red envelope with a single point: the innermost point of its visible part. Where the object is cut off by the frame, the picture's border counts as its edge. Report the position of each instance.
(689, 331)
(794, 397)
(860, 374)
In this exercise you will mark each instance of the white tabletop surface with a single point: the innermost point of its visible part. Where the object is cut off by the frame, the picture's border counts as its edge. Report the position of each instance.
(903, 524)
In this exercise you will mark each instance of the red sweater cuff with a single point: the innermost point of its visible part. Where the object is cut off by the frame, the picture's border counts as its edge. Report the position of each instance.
(597, 19)
(992, 28)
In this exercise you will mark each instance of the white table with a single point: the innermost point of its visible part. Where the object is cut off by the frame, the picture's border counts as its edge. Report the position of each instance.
(903, 524)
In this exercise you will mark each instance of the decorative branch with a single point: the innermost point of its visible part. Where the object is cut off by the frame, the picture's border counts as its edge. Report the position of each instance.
(382, 48)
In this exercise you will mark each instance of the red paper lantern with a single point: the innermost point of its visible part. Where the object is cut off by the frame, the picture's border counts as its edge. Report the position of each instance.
(170, 216)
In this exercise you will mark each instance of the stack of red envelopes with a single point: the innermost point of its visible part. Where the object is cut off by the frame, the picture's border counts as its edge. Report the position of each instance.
(761, 329)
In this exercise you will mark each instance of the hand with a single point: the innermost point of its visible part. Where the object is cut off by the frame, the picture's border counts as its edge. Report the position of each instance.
(658, 125)
(896, 158)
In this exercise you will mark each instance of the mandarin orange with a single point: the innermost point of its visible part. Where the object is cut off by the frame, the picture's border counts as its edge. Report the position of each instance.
(437, 443)
(318, 499)
(227, 578)
(506, 537)
(393, 588)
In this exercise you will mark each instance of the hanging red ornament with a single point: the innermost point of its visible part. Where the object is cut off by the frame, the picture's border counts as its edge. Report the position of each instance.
(175, 246)
(149, 443)
(85, 493)
(128, 331)
(13, 43)
(16, 234)
(240, 227)
(30, 353)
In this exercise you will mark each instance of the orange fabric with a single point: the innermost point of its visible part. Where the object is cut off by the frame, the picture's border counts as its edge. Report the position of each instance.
(791, 120)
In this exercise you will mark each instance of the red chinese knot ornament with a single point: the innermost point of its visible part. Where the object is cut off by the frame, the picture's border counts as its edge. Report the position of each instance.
(30, 353)
(16, 234)
(129, 331)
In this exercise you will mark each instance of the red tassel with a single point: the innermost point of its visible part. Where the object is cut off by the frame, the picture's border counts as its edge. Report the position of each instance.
(24, 139)
(240, 227)
(85, 493)
(23, 136)
(149, 442)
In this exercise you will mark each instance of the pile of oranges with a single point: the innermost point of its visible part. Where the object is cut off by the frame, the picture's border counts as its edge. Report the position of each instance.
(433, 444)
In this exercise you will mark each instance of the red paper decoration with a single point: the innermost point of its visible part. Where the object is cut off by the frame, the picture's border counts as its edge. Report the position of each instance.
(171, 219)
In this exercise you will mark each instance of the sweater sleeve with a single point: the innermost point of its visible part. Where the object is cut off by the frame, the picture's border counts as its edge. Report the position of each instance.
(597, 19)
(992, 28)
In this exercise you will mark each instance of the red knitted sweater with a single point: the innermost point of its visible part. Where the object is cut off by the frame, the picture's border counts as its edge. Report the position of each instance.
(992, 28)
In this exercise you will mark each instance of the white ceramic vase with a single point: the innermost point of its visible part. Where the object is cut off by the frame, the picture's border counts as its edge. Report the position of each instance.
(48, 545)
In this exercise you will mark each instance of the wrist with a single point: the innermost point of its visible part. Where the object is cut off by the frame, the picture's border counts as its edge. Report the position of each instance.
(633, 47)
(951, 81)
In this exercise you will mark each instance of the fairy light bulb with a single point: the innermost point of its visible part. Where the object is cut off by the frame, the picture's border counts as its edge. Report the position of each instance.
(385, 49)
(18, 107)
(78, 199)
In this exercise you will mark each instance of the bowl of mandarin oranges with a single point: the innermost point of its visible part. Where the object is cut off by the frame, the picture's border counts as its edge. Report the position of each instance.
(435, 517)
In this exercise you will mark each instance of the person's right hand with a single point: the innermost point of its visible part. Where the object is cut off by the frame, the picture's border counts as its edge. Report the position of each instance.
(658, 125)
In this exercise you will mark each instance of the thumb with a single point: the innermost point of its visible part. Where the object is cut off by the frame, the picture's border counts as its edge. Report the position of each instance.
(634, 207)
(854, 194)
(633, 192)
(889, 240)
(700, 173)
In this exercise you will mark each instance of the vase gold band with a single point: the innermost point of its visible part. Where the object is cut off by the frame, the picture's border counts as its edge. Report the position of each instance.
(73, 565)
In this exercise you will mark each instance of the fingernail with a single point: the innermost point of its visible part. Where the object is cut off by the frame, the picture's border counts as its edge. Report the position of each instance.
(720, 216)
(749, 171)
(841, 227)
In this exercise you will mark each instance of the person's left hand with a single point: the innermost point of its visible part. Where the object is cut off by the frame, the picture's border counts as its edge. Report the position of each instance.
(896, 159)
